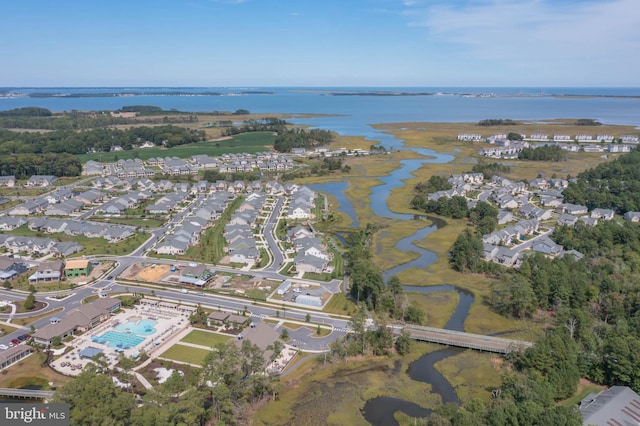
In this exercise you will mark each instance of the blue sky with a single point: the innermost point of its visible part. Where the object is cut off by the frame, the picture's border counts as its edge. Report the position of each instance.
(320, 43)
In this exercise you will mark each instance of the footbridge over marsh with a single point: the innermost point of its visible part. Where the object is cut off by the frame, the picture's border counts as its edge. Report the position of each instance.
(466, 340)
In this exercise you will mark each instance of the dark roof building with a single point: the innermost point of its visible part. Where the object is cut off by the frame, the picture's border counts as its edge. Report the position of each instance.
(618, 405)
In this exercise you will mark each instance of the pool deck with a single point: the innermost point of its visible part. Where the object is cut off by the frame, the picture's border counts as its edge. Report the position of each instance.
(167, 325)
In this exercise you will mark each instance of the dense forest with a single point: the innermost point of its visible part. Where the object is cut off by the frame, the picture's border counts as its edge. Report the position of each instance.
(100, 140)
(612, 185)
(496, 122)
(25, 165)
(597, 299)
(269, 124)
(541, 376)
(300, 138)
(43, 119)
(543, 153)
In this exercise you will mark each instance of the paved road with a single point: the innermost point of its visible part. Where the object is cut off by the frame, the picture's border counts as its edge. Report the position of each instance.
(303, 337)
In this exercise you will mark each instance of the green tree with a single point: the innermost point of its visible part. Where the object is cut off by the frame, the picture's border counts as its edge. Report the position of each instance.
(467, 253)
(29, 302)
(403, 343)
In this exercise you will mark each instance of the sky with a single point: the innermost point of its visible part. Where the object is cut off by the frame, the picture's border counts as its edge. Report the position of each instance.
(259, 43)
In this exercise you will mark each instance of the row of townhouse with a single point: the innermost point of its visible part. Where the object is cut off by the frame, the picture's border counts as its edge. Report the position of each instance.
(456, 179)
(472, 137)
(167, 203)
(111, 233)
(38, 246)
(41, 181)
(458, 190)
(509, 151)
(91, 168)
(57, 203)
(238, 232)
(132, 168)
(127, 201)
(213, 206)
(541, 183)
(185, 235)
(511, 234)
(302, 202)
(189, 231)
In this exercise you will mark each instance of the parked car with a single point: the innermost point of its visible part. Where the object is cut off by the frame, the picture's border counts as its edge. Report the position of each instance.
(15, 342)
(3, 346)
(22, 338)
(26, 336)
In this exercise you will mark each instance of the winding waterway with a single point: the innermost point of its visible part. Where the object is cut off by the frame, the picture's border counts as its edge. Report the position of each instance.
(380, 411)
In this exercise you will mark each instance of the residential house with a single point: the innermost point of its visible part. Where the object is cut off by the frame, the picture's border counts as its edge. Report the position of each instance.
(619, 148)
(506, 257)
(9, 223)
(48, 271)
(10, 268)
(567, 219)
(547, 246)
(632, 216)
(77, 268)
(65, 208)
(8, 181)
(173, 246)
(41, 180)
(604, 214)
(573, 209)
(90, 197)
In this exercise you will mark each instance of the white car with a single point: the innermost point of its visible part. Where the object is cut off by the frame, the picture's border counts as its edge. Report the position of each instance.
(3, 347)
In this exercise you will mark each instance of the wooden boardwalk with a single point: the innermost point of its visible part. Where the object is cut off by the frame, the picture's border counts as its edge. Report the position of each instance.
(466, 340)
(26, 393)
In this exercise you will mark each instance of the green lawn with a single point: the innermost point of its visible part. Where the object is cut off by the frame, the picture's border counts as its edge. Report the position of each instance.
(205, 338)
(149, 223)
(246, 142)
(184, 353)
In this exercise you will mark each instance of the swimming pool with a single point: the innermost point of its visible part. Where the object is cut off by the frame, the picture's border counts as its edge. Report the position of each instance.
(127, 335)
(143, 327)
(116, 339)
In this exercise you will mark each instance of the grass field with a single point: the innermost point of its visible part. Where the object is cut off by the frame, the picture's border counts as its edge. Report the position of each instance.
(30, 371)
(183, 353)
(205, 338)
(247, 142)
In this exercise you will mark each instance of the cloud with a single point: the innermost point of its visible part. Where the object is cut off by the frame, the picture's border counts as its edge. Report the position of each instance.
(551, 32)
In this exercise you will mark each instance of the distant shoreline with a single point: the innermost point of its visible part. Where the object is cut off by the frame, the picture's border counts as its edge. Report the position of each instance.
(16, 93)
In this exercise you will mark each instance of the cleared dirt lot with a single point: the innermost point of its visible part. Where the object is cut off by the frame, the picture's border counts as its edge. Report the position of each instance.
(146, 272)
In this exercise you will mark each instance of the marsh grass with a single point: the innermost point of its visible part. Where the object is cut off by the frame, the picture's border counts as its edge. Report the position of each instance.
(439, 306)
(472, 374)
(335, 394)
